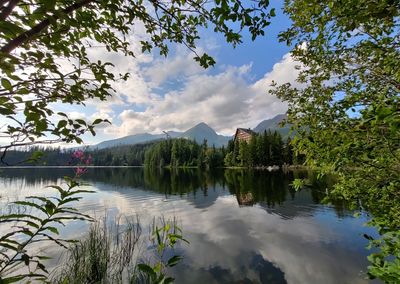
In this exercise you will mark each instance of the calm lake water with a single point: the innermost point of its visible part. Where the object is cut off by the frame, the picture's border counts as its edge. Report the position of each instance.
(243, 226)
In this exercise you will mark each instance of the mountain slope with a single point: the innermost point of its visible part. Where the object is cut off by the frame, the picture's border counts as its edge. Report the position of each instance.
(129, 140)
(202, 131)
(197, 133)
(273, 124)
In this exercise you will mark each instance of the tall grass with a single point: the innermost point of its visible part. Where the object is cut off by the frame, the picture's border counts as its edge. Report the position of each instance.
(112, 253)
(105, 255)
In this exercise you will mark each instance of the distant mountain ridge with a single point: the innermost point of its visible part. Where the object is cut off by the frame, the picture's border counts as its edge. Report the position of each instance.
(128, 140)
(273, 125)
(197, 133)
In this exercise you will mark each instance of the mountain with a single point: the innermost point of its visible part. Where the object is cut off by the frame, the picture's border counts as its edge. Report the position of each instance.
(198, 133)
(273, 124)
(129, 140)
(202, 131)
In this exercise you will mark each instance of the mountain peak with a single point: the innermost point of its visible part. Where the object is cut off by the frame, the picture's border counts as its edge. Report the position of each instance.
(201, 129)
(200, 132)
(203, 125)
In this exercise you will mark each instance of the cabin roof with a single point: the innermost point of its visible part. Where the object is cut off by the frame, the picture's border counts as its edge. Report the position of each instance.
(247, 130)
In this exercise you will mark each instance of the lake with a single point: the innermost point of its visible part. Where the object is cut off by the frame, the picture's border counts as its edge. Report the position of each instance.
(243, 226)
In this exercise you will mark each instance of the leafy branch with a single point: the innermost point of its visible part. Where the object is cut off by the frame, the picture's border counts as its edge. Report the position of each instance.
(28, 229)
(163, 237)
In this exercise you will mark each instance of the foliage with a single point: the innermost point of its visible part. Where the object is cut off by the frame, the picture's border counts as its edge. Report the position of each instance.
(124, 155)
(36, 155)
(382, 267)
(40, 225)
(36, 220)
(46, 53)
(111, 253)
(163, 236)
(183, 153)
(298, 184)
(345, 108)
(263, 150)
(106, 255)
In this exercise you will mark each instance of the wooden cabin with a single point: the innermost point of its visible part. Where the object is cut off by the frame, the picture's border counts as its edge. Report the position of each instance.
(243, 134)
(245, 199)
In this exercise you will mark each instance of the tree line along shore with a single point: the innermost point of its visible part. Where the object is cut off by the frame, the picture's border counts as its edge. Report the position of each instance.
(264, 150)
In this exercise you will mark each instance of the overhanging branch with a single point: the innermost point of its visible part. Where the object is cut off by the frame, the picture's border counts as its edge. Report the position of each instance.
(6, 11)
(28, 35)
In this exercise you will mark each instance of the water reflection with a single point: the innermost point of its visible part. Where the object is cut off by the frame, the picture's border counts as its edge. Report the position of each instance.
(243, 226)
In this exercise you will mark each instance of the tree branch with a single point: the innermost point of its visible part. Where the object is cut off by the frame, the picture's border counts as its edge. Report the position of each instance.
(4, 149)
(2, 3)
(27, 35)
(8, 9)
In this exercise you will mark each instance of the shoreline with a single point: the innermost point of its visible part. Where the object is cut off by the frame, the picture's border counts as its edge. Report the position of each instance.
(269, 168)
(65, 167)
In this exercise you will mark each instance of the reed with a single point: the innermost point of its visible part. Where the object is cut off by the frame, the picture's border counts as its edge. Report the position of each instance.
(111, 253)
(105, 255)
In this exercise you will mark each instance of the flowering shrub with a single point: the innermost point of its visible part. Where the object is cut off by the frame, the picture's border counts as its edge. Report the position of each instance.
(16, 245)
(81, 160)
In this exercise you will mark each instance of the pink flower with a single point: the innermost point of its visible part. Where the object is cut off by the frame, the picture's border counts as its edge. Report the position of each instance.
(78, 154)
(81, 161)
(80, 171)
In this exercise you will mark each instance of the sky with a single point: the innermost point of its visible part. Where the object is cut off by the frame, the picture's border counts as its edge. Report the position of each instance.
(175, 93)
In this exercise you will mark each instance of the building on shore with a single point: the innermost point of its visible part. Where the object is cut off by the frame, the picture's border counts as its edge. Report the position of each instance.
(243, 134)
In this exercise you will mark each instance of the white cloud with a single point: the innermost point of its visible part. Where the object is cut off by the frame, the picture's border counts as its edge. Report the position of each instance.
(282, 72)
(225, 100)
(178, 66)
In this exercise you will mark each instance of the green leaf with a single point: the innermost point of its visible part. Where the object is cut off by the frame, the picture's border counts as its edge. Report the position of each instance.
(298, 184)
(147, 270)
(18, 216)
(8, 246)
(36, 156)
(43, 257)
(97, 121)
(6, 84)
(174, 260)
(25, 258)
(19, 278)
(81, 121)
(31, 204)
(272, 12)
(42, 267)
(52, 229)
(62, 124)
(169, 280)
(10, 28)
(49, 4)
(62, 192)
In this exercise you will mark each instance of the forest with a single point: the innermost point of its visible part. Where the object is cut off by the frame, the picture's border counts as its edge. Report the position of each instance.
(263, 150)
(124, 155)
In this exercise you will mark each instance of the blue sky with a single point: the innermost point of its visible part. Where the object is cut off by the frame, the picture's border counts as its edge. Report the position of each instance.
(174, 93)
